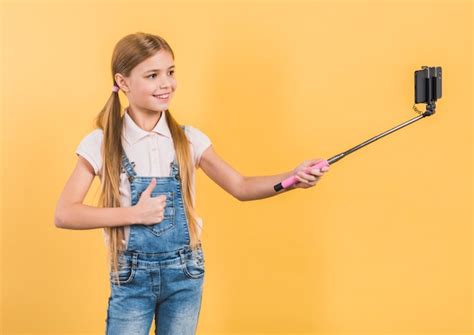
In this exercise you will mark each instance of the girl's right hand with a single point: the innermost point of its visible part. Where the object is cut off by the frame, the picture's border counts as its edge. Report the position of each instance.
(150, 209)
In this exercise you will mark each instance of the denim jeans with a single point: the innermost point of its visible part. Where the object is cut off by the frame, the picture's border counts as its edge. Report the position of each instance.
(167, 287)
(159, 277)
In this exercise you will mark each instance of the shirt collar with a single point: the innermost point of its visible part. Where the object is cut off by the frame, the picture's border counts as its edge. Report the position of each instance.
(133, 133)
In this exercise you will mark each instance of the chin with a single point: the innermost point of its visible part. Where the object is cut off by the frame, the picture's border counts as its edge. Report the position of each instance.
(160, 107)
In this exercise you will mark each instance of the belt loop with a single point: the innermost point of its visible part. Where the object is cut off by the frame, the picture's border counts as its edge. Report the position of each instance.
(181, 255)
(134, 259)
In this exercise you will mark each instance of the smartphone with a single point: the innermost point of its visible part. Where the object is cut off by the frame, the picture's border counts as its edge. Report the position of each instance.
(428, 82)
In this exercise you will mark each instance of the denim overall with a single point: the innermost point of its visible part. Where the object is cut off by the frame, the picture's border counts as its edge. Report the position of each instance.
(159, 275)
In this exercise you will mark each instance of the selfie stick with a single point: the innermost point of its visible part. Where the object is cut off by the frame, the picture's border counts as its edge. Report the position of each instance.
(432, 91)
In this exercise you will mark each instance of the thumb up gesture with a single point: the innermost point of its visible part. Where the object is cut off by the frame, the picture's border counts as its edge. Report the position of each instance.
(150, 209)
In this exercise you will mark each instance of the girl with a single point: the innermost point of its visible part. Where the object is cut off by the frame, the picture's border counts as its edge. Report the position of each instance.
(146, 163)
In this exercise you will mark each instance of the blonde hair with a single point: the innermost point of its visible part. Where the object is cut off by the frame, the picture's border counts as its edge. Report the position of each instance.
(129, 52)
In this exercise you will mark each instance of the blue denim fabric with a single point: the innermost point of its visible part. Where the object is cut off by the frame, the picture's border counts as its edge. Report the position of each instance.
(160, 276)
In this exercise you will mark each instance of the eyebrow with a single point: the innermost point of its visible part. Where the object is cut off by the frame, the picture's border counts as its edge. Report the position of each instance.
(158, 70)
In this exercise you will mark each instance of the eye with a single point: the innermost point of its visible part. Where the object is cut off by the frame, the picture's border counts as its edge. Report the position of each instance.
(154, 74)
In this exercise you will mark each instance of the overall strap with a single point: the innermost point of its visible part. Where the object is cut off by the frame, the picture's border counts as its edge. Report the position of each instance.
(128, 167)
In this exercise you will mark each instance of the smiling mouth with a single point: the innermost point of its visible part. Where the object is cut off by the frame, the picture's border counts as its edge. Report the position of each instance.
(162, 97)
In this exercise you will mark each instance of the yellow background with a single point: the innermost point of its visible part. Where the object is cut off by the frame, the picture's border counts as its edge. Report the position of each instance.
(381, 245)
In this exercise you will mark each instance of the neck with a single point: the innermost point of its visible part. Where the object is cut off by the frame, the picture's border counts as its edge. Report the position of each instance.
(145, 120)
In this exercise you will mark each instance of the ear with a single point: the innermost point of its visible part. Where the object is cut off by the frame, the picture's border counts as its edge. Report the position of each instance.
(122, 82)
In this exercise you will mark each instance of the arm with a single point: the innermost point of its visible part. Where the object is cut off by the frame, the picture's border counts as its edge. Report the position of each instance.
(70, 213)
(242, 188)
(260, 187)
(79, 216)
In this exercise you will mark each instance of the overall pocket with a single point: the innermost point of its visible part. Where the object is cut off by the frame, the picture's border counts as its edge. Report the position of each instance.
(193, 267)
(126, 272)
(168, 221)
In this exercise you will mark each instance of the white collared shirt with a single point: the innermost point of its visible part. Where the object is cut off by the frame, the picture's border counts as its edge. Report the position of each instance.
(150, 154)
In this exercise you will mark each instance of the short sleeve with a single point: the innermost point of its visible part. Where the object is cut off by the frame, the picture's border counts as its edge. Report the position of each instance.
(199, 141)
(90, 147)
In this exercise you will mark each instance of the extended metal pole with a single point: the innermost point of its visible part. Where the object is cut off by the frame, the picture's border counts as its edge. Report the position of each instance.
(430, 110)
(375, 138)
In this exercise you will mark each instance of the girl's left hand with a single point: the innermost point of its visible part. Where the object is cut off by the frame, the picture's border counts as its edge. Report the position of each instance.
(307, 180)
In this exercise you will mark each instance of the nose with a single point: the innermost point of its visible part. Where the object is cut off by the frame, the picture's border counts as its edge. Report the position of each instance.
(165, 83)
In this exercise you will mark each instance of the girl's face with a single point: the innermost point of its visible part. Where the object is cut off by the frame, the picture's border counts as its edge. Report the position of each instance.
(152, 77)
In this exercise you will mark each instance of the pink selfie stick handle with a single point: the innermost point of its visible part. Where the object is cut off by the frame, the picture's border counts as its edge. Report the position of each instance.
(293, 180)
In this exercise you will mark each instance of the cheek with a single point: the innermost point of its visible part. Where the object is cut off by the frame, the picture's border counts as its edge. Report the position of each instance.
(148, 89)
(142, 87)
